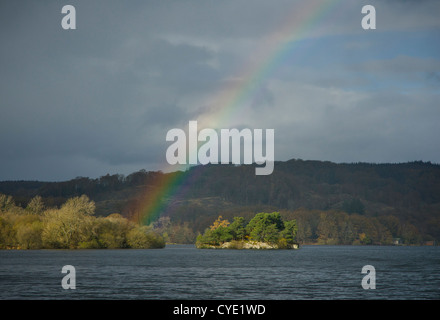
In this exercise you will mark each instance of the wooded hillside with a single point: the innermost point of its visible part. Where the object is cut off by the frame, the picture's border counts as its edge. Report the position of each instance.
(332, 203)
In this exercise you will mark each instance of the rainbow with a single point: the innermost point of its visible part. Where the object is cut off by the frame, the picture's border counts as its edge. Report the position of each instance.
(230, 101)
(272, 52)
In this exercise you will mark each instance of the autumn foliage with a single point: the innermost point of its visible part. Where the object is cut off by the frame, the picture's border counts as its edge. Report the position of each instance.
(72, 226)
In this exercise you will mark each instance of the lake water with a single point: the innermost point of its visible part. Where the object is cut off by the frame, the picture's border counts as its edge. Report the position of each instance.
(183, 272)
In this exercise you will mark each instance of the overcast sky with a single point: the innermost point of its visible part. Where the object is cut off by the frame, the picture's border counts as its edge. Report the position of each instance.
(100, 99)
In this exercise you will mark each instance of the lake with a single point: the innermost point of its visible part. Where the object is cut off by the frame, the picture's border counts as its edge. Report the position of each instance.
(184, 272)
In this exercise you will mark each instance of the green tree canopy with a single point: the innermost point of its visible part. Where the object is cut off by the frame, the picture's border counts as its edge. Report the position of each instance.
(263, 227)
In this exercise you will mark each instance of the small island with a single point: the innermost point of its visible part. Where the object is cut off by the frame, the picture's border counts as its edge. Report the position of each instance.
(263, 231)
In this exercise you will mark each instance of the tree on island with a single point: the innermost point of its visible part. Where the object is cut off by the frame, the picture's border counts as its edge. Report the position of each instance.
(263, 228)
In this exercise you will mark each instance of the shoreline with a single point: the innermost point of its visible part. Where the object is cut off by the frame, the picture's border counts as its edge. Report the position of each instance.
(248, 245)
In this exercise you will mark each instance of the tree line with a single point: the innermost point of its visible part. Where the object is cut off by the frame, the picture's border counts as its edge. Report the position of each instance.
(71, 226)
(408, 191)
(357, 203)
(340, 228)
(74, 225)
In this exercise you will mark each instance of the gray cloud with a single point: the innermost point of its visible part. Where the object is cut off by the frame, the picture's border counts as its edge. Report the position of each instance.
(101, 98)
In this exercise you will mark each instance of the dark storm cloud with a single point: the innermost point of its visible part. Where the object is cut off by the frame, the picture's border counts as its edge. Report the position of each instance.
(101, 98)
(92, 92)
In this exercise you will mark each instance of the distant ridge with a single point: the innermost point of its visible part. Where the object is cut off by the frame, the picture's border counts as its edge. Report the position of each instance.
(409, 191)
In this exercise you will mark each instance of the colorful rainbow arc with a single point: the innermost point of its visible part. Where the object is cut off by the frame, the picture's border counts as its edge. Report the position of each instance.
(273, 51)
(229, 102)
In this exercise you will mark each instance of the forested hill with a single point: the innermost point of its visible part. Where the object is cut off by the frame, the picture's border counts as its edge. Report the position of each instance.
(408, 191)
